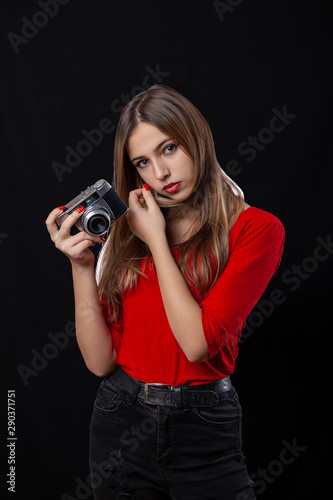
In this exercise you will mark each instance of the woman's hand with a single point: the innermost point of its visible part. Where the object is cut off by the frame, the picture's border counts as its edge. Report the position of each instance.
(148, 223)
(75, 247)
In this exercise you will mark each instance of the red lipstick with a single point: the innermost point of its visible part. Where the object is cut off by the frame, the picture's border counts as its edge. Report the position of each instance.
(173, 187)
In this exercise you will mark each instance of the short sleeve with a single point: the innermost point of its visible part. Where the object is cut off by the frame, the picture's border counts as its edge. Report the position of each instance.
(256, 247)
(115, 327)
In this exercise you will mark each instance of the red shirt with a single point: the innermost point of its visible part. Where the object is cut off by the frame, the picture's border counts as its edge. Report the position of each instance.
(144, 342)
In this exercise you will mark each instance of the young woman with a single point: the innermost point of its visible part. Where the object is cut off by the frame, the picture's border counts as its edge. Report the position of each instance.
(177, 278)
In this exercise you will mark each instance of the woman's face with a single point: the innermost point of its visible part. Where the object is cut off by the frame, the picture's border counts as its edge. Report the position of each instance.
(160, 162)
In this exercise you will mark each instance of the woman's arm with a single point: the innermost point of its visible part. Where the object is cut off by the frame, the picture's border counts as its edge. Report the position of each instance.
(182, 310)
(92, 333)
(255, 253)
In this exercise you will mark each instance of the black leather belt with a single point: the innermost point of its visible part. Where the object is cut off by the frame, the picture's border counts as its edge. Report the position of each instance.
(182, 396)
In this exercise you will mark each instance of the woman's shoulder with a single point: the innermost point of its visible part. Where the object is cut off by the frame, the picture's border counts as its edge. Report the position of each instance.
(255, 215)
(254, 221)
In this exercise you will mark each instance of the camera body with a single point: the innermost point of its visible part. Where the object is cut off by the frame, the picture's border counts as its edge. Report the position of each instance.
(102, 207)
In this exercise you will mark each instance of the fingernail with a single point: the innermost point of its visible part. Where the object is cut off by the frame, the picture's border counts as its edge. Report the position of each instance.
(146, 187)
(103, 239)
(80, 210)
(62, 207)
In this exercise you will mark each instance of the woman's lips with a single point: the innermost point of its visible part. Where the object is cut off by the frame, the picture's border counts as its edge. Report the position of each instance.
(173, 187)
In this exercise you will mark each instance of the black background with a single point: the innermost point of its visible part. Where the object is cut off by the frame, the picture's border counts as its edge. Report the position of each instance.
(236, 67)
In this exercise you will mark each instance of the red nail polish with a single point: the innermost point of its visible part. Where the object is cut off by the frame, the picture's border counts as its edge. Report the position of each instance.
(62, 207)
(102, 238)
(80, 210)
(146, 187)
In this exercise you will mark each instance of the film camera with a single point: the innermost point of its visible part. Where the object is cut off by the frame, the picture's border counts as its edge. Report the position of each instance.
(102, 207)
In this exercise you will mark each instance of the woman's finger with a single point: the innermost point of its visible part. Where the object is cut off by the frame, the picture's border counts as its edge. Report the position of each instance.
(134, 199)
(50, 221)
(69, 222)
(78, 251)
(72, 245)
(76, 239)
(138, 197)
(148, 197)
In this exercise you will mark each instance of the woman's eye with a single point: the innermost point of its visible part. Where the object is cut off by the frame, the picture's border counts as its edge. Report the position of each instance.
(142, 163)
(170, 149)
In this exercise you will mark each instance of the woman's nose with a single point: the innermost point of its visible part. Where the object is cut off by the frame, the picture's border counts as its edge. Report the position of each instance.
(161, 171)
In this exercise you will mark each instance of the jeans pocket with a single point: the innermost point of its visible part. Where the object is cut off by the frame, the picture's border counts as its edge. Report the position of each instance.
(225, 414)
(108, 398)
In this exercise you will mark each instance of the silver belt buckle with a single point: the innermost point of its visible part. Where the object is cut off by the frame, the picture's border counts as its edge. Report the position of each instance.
(146, 388)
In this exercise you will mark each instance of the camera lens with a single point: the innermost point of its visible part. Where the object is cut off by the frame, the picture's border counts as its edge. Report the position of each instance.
(97, 223)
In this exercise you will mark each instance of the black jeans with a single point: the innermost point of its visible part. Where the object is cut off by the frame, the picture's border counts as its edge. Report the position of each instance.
(144, 452)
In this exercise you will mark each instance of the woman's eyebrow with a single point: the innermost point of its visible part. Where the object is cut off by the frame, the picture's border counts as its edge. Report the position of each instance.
(157, 147)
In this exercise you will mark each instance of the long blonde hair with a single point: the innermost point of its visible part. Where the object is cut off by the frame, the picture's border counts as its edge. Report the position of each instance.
(218, 200)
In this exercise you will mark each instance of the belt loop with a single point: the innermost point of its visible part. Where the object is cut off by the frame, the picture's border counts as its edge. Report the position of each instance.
(186, 399)
(178, 396)
(135, 392)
